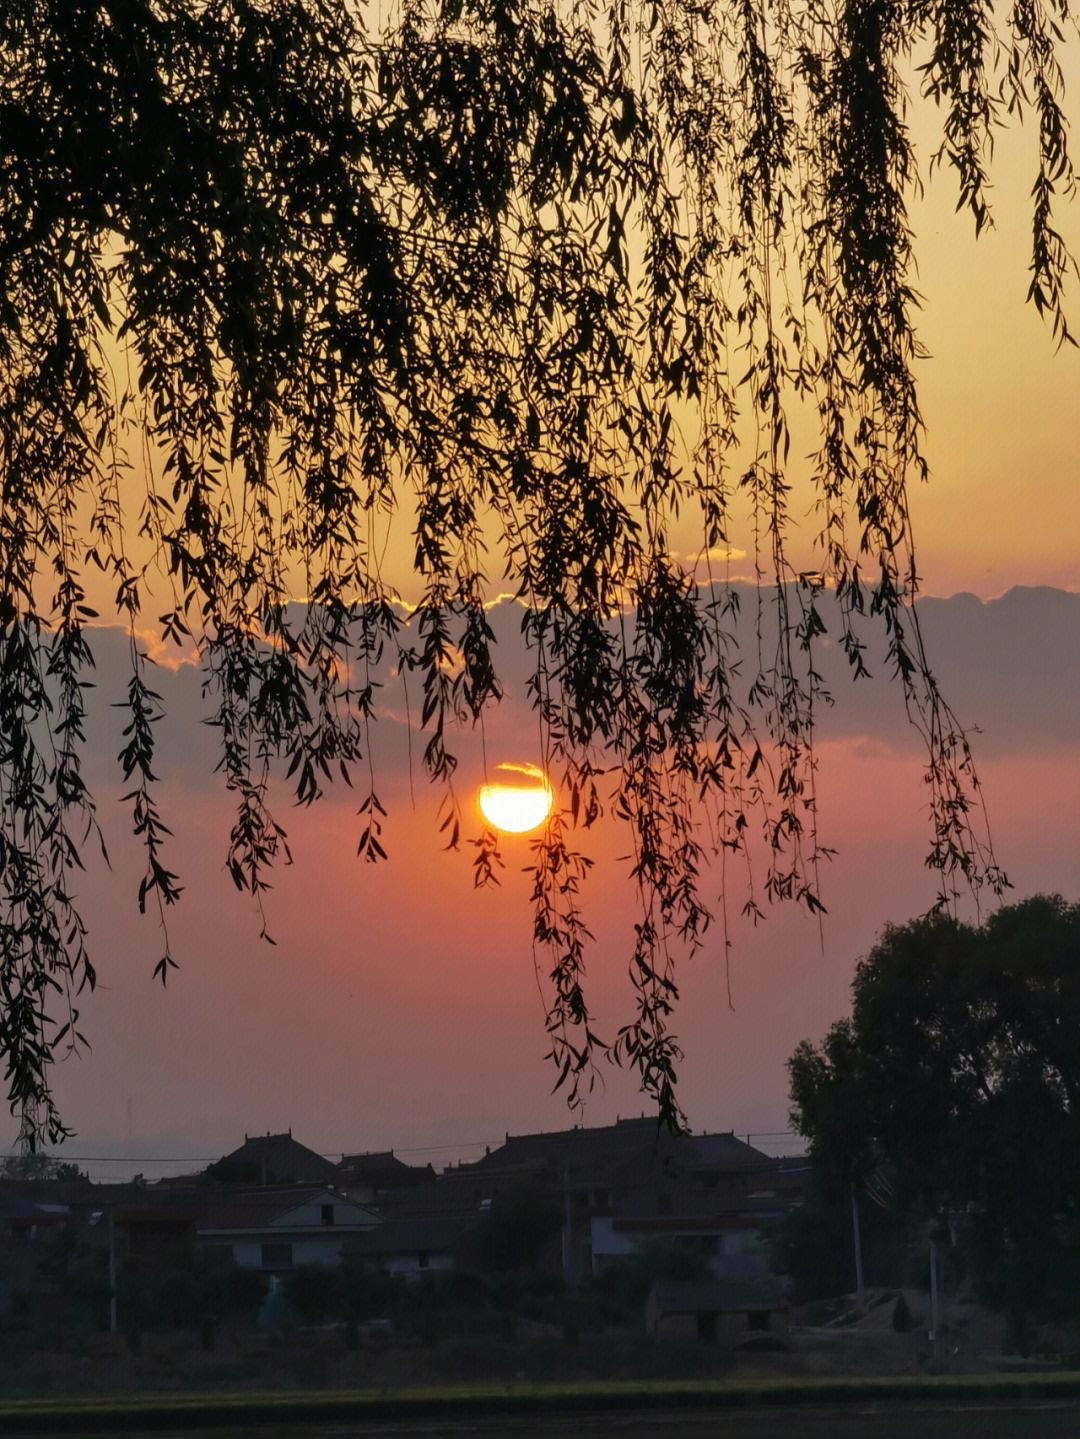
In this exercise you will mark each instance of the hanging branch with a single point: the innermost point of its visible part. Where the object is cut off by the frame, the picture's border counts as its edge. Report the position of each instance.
(541, 277)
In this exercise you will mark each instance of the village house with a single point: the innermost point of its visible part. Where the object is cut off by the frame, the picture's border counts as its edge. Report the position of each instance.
(732, 1311)
(618, 1187)
(415, 1244)
(279, 1229)
(272, 1229)
(275, 1204)
(371, 1178)
(25, 1218)
(272, 1159)
(629, 1183)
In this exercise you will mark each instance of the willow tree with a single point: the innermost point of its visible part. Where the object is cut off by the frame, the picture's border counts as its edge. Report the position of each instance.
(272, 267)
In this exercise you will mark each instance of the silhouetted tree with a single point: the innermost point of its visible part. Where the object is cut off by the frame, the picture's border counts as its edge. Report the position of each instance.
(273, 269)
(37, 1165)
(520, 1229)
(953, 1093)
(813, 1244)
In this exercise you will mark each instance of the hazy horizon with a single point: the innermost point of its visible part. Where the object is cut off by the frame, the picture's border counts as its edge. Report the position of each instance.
(408, 1017)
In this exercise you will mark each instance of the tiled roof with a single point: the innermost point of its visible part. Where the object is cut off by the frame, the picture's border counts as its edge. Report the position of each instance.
(457, 1191)
(562, 1146)
(273, 1159)
(676, 1195)
(629, 1169)
(52, 1191)
(226, 1208)
(259, 1208)
(383, 1170)
(733, 1296)
(410, 1234)
(584, 1152)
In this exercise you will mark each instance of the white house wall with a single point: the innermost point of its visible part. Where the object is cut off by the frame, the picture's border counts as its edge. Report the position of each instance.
(607, 1241)
(321, 1248)
(410, 1266)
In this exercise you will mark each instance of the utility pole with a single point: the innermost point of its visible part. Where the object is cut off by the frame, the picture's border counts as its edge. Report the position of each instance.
(856, 1235)
(112, 1274)
(935, 1335)
(568, 1264)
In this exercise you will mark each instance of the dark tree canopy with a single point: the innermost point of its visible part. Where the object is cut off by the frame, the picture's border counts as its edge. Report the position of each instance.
(953, 1095)
(812, 1245)
(272, 269)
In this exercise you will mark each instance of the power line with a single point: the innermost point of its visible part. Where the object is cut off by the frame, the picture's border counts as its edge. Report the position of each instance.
(123, 1158)
(65, 1158)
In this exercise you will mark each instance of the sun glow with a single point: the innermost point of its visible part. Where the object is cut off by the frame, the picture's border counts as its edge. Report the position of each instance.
(517, 808)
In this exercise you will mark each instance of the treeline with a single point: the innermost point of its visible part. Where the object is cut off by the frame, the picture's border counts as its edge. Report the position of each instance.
(202, 1290)
(948, 1107)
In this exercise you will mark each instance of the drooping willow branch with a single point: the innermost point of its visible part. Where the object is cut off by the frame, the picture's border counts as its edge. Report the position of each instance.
(268, 272)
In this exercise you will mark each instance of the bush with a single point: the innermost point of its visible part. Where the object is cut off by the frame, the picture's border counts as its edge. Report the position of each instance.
(624, 1286)
(369, 1293)
(812, 1245)
(517, 1233)
(317, 1292)
(197, 1286)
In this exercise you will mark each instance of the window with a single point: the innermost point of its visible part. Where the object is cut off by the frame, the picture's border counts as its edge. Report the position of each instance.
(705, 1244)
(328, 1214)
(277, 1256)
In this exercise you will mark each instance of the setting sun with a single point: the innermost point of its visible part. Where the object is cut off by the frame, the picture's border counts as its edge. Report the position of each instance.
(517, 808)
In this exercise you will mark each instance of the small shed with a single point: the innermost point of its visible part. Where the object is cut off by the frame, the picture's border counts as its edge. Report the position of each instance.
(716, 1310)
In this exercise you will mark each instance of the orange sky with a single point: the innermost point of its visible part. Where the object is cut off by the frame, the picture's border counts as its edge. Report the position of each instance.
(399, 1006)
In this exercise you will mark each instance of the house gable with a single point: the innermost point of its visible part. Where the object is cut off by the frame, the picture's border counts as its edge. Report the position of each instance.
(326, 1210)
(306, 1210)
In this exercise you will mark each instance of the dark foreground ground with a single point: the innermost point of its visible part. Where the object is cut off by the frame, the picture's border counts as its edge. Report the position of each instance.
(882, 1421)
(1042, 1421)
(939, 1408)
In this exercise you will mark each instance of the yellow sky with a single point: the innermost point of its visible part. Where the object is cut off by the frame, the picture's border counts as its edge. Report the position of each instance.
(1001, 406)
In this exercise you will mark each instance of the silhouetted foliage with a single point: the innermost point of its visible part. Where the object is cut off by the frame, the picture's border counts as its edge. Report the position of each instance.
(626, 1282)
(36, 1164)
(188, 1291)
(319, 1292)
(64, 1297)
(275, 271)
(813, 1245)
(903, 1321)
(952, 1095)
(520, 1229)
